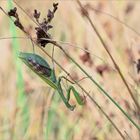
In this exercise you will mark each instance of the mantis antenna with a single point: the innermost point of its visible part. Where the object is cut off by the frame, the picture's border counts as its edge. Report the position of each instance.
(32, 45)
(53, 66)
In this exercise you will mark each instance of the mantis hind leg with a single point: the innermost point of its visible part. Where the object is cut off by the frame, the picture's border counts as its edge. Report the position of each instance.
(66, 99)
(78, 98)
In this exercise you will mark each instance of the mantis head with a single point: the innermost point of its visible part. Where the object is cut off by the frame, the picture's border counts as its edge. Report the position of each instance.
(36, 63)
(27, 57)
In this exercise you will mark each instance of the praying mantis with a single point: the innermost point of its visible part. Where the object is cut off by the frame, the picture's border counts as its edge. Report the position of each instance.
(42, 68)
(38, 65)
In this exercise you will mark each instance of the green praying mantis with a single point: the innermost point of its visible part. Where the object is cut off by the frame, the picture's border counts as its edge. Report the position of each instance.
(40, 66)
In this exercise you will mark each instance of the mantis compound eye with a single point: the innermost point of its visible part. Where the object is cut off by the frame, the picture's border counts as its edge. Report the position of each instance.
(29, 59)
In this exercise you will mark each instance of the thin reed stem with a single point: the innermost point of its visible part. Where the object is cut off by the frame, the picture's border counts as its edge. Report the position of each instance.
(110, 55)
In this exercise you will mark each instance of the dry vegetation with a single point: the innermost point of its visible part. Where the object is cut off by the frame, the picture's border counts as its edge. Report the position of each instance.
(31, 110)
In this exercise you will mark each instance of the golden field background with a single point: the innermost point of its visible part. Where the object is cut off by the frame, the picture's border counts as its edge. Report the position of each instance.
(28, 109)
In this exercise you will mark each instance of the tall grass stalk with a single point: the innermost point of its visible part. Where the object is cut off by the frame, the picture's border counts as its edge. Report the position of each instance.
(21, 97)
(109, 53)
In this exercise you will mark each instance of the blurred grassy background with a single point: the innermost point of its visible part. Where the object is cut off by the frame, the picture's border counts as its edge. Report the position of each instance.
(43, 116)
